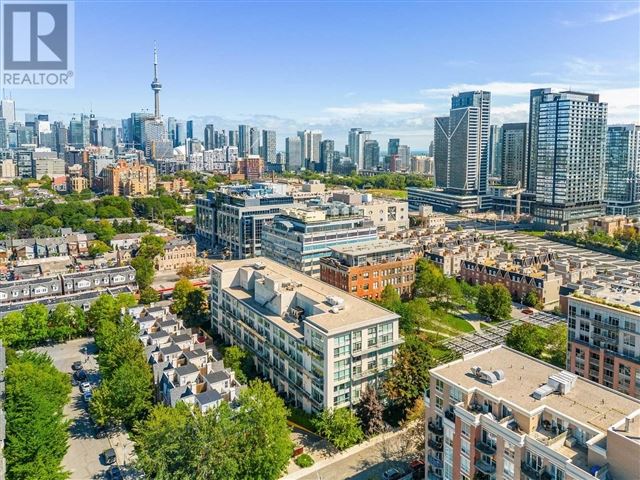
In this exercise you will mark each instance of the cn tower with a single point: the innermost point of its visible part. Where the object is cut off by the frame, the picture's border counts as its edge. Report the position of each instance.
(156, 86)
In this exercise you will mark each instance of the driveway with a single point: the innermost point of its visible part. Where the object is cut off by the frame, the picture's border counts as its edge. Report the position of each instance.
(83, 459)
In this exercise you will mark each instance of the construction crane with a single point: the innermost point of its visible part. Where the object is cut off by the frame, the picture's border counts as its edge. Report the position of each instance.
(516, 192)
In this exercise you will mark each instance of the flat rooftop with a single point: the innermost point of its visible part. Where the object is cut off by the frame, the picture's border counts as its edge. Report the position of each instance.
(587, 402)
(623, 294)
(356, 312)
(369, 248)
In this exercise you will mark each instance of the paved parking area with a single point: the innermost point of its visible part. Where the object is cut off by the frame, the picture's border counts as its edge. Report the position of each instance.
(83, 459)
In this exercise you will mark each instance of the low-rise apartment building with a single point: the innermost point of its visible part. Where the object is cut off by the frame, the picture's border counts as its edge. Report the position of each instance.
(178, 252)
(604, 332)
(186, 366)
(500, 414)
(128, 179)
(300, 237)
(388, 215)
(520, 273)
(317, 345)
(365, 269)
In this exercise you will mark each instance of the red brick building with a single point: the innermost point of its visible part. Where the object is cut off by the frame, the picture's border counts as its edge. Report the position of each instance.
(367, 268)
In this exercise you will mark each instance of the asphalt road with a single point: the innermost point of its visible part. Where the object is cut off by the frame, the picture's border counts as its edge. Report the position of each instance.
(83, 459)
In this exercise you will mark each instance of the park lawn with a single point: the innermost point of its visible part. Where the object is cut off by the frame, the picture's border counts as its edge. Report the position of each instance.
(453, 322)
(387, 192)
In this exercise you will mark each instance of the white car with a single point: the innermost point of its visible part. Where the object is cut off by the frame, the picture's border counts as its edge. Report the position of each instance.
(85, 387)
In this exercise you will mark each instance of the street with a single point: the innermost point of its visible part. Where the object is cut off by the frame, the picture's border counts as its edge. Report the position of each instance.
(83, 459)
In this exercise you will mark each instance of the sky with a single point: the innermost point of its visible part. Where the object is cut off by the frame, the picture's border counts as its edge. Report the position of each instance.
(388, 67)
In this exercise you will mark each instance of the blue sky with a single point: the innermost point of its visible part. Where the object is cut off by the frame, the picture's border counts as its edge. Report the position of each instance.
(388, 67)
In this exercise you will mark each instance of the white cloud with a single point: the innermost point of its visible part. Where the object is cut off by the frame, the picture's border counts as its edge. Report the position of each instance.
(612, 15)
(515, 112)
(374, 109)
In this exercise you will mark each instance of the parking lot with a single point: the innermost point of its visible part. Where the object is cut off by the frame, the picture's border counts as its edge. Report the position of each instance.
(83, 459)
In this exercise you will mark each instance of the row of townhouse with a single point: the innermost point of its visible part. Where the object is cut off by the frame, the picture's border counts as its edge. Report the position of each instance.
(65, 284)
(186, 366)
(72, 244)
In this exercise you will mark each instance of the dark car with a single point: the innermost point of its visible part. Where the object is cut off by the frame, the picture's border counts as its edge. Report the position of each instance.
(80, 375)
(76, 365)
(109, 456)
(114, 473)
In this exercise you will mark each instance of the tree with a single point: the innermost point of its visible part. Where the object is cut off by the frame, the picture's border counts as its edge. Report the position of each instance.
(369, 410)
(180, 296)
(145, 271)
(494, 301)
(165, 442)
(42, 231)
(192, 270)
(409, 377)
(531, 299)
(251, 442)
(234, 358)
(556, 348)
(264, 432)
(37, 432)
(340, 426)
(527, 338)
(97, 248)
(196, 311)
(430, 283)
(149, 295)
(103, 229)
(35, 322)
(151, 246)
(66, 321)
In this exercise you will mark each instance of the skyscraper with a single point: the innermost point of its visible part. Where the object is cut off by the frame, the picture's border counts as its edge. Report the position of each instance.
(254, 141)
(327, 148)
(357, 137)
(495, 155)
(109, 137)
(514, 150)
(622, 170)
(570, 159)
(3, 133)
(269, 146)
(244, 140)
(209, 137)
(535, 99)
(371, 155)
(181, 134)
(293, 149)
(156, 86)
(8, 110)
(171, 130)
(461, 144)
(392, 146)
(233, 139)
(79, 131)
(190, 129)
(403, 158)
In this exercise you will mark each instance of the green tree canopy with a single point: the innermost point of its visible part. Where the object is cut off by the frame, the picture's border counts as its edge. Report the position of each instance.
(494, 301)
(340, 426)
(37, 432)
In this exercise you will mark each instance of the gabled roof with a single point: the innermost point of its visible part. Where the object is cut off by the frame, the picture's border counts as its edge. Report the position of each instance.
(208, 396)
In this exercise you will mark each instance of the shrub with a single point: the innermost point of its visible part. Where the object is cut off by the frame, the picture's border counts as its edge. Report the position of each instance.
(304, 461)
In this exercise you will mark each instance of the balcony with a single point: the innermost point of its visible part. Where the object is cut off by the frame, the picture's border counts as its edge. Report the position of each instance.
(435, 428)
(485, 447)
(450, 415)
(434, 462)
(485, 467)
(529, 471)
(437, 446)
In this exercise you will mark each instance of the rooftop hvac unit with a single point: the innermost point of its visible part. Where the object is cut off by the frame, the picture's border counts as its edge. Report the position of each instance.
(562, 382)
(259, 266)
(335, 301)
(541, 392)
(488, 376)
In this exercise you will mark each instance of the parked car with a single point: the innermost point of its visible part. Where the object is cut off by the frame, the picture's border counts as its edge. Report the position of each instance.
(80, 375)
(114, 473)
(391, 474)
(527, 311)
(76, 365)
(87, 396)
(85, 387)
(109, 456)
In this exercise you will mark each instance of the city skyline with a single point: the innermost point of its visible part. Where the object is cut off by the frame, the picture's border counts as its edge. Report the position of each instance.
(585, 57)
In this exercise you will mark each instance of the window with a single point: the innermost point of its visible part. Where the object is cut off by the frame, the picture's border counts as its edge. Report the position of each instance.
(465, 447)
(464, 465)
(439, 403)
(439, 385)
(465, 429)
(508, 468)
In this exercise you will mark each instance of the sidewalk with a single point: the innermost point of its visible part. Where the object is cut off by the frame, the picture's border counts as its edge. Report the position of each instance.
(383, 437)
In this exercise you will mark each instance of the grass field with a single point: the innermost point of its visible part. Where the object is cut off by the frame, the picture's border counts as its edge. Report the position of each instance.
(533, 233)
(456, 323)
(383, 192)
